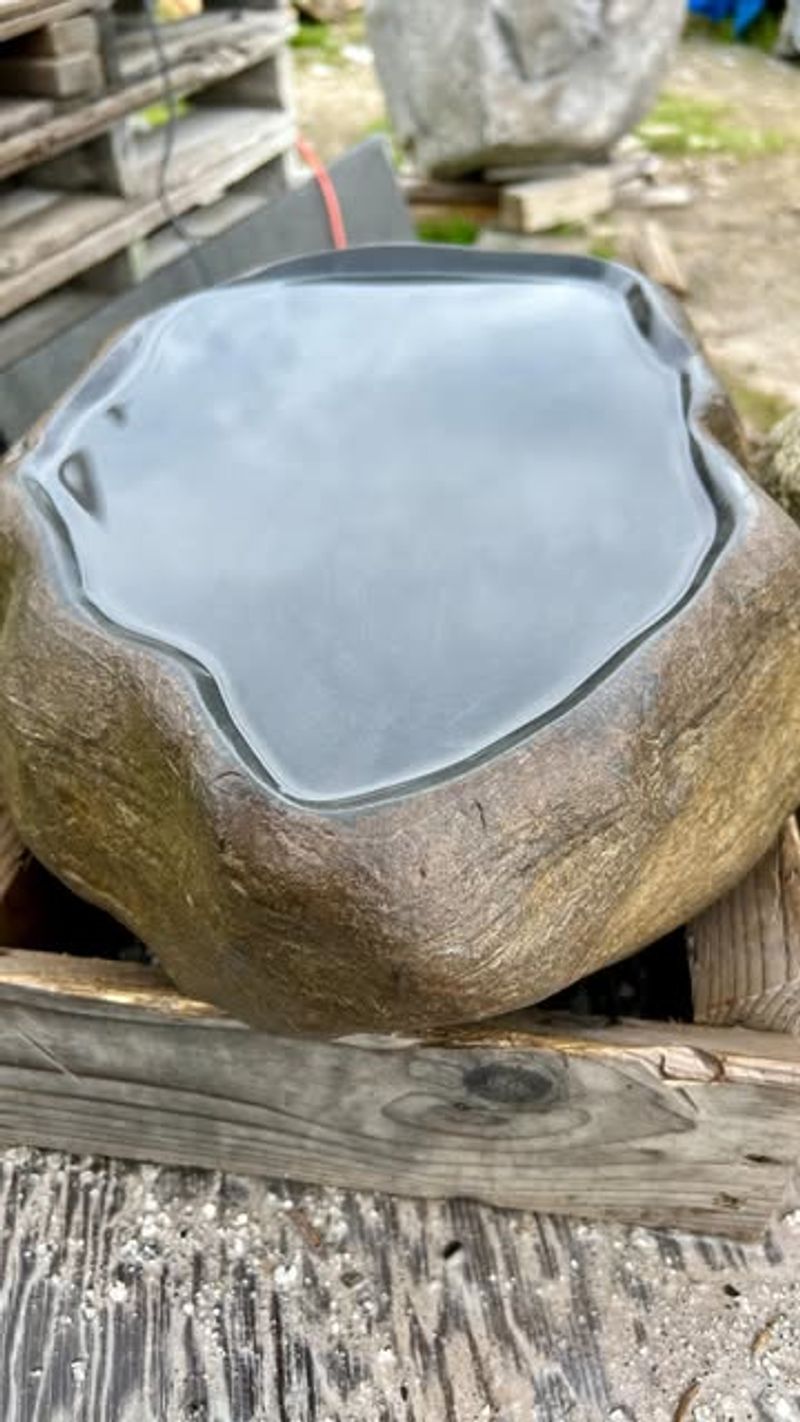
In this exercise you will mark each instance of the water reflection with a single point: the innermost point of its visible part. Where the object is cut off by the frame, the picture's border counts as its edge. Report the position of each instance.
(396, 521)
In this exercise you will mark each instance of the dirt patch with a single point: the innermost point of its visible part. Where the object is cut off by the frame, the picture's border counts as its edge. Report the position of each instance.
(339, 101)
(737, 241)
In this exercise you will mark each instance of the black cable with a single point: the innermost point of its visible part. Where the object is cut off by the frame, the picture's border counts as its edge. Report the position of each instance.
(171, 105)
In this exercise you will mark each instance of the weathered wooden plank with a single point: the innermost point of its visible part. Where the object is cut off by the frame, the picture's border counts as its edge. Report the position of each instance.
(267, 84)
(745, 949)
(73, 34)
(629, 1124)
(145, 1294)
(88, 228)
(37, 323)
(64, 77)
(38, 8)
(652, 252)
(34, 326)
(433, 198)
(262, 186)
(167, 244)
(180, 41)
(542, 203)
(254, 38)
(12, 854)
(19, 205)
(19, 115)
(29, 19)
(204, 141)
(99, 166)
(51, 222)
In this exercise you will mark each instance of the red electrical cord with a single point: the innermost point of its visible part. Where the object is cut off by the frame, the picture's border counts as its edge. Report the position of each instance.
(328, 192)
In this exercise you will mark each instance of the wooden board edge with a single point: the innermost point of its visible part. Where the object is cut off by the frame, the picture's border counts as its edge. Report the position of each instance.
(70, 128)
(744, 950)
(95, 985)
(678, 1051)
(136, 218)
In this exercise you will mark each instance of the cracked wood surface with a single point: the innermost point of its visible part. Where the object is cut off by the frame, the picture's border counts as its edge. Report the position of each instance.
(146, 1294)
(643, 1122)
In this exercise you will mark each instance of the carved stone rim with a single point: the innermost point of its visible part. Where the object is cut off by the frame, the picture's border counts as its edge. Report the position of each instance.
(648, 307)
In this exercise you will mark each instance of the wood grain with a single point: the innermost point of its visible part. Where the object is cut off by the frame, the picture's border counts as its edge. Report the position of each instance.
(19, 115)
(144, 1294)
(575, 195)
(25, 20)
(187, 40)
(237, 46)
(77, 231)
(12, 854)
(70, 35)
(652, 252)
(745, 949)
(64, 77)
(697, 1128)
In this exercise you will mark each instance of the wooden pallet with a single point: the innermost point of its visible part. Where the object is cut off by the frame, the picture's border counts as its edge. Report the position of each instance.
(36, 324)
(52, 51)
(49, 236)
(696, 1127)
(230, 46)
(29, 17)
(96, 202)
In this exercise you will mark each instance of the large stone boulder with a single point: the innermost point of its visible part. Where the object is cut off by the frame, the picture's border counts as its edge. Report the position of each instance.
(788, 44)
(475, 83)
(390, 643)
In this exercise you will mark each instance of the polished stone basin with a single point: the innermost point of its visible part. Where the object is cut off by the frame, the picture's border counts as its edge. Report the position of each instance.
(397, 523)
(393, 639)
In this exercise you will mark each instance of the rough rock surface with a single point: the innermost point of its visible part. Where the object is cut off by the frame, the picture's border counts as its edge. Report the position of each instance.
(778, 468)
(329, 814)
(788, 45)
(480, 82)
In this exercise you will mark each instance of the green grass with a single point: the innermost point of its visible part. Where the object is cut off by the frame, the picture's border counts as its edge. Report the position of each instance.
(455, 228)
(158, 114)
(379, 125)
(681, 125)
(327, 42)
(605, 248)
(318, 41)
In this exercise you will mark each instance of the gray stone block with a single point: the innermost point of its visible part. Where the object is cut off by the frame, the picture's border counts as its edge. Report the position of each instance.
(482, 82)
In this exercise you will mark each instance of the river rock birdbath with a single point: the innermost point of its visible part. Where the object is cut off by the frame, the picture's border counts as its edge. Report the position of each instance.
(388, 642)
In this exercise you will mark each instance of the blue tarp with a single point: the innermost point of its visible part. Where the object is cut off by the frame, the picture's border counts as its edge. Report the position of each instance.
(742, 12)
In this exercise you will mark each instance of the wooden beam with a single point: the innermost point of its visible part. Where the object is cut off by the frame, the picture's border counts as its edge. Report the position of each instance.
(62, 36)
(652, 252)
(437, 193)
(237, 46)
(695, 1128)
(66, 77)
(81, 230)
(543, 203)
(21, 115)
(29, 20)
(745, 949)
(12, 854)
